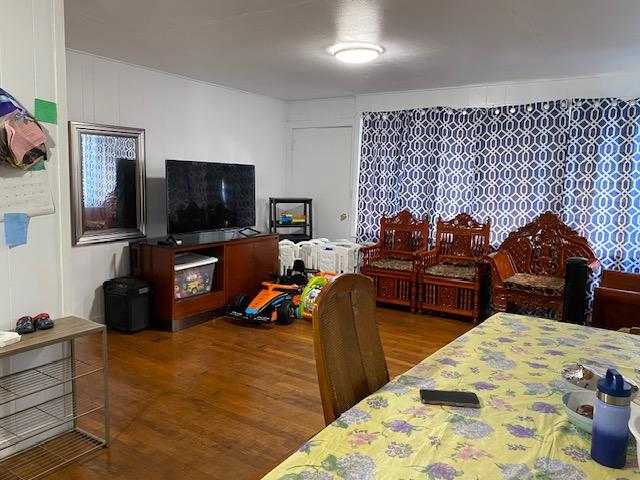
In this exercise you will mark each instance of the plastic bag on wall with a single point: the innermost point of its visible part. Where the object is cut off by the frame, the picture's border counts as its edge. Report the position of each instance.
(22, 140)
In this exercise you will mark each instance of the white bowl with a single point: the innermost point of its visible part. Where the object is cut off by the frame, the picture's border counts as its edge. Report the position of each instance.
(634, 428)
(572, 400)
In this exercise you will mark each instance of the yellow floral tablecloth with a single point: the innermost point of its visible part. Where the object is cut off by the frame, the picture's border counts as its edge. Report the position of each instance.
(513, 363)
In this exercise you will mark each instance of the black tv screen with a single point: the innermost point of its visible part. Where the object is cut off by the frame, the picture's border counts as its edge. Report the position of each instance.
(205, 196)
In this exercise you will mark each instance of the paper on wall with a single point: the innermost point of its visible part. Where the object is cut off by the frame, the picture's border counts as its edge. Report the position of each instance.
(28, 192)
(16, 227)
(45, 111)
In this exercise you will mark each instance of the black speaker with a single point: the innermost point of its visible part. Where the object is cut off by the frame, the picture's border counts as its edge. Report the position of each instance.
(575, 290)
(127, 304)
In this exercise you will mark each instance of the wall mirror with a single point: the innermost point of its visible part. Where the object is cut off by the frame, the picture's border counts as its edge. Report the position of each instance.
(108, 182)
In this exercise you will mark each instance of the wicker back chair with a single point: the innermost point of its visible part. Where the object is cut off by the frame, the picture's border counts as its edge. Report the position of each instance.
(450, 277)
(391, 262)
(349, 356)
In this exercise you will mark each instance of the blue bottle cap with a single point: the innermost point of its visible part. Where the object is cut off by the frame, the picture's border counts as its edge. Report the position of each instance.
(613, 384)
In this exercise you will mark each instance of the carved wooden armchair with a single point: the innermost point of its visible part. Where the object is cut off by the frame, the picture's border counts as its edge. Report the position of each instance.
(391, 262)
(450, 275)
(528, 269)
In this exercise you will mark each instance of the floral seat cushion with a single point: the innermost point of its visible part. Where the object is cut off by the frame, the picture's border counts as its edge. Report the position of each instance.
(393, 264)
(459, 272)
(535, 283)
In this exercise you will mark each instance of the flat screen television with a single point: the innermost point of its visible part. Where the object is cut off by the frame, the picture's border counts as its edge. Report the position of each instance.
(204, 196)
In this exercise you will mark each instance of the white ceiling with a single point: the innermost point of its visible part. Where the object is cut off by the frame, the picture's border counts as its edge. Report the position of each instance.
(277, 47)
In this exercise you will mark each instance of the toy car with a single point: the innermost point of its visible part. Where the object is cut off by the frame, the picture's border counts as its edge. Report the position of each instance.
(290, 297)
(276, 302)
(195, 286)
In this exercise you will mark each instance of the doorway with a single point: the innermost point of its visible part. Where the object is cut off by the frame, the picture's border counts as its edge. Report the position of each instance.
(321, 168)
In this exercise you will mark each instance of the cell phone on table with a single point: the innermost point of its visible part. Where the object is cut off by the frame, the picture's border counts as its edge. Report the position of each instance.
(453, 399)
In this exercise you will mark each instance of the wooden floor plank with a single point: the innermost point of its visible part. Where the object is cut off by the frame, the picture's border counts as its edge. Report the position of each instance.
(223, 400)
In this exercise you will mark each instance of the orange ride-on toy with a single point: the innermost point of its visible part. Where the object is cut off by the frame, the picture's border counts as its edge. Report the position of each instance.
(278, 300)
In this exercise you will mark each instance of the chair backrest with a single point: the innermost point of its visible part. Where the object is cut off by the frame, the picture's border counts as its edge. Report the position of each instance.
(349, 356)
(462, 239)
(543, 246)
(402, 234)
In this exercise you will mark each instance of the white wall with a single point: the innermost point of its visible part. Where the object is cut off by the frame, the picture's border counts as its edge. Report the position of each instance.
(316, 116)
(32, 65)
(32, 276)
(183, 119)
(622, 85)
(347, 111)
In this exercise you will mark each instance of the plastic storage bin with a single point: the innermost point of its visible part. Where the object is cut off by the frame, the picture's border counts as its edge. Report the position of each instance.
(193, 274)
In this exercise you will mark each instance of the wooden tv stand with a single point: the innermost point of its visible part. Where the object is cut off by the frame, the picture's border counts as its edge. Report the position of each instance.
(243, 262)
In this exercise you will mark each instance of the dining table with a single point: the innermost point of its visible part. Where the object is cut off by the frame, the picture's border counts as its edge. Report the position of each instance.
(521, 431)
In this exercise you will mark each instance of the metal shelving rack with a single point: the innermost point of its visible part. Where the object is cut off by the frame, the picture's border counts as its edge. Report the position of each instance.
(44, 416)
(307, 227)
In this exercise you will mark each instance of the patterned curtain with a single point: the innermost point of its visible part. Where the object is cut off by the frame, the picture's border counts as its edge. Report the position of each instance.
(602, 180)
(410, 159)
(518, 164)
(379, 169)
(100, 154)
(579, 158)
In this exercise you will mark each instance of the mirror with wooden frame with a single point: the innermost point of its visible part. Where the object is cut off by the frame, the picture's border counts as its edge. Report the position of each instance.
(107, 182)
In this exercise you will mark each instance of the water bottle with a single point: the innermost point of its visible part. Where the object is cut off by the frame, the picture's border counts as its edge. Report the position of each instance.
(610, 420)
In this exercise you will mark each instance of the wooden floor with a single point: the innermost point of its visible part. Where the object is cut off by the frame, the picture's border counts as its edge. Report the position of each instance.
(226, 401)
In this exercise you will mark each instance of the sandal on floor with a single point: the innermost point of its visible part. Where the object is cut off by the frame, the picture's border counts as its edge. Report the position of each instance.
(43, 321)
(25, 325)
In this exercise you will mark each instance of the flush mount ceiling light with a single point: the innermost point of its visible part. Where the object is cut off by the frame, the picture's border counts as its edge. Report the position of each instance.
(355, 52)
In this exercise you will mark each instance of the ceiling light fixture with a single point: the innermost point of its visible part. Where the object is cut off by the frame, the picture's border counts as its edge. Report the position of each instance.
(355, 52)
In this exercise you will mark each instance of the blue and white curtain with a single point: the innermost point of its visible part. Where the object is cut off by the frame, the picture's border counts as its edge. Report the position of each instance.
(579, 158)
(99, 170)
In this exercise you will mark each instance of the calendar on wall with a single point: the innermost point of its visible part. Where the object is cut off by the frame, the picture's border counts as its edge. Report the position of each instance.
(28, 193)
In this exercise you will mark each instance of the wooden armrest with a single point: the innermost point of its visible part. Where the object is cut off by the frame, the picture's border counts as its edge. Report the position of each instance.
(501, 265)
(370, 254)
(617, 296)
(620, 280)
(427, 258)
(423, 252)
(370, 248)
